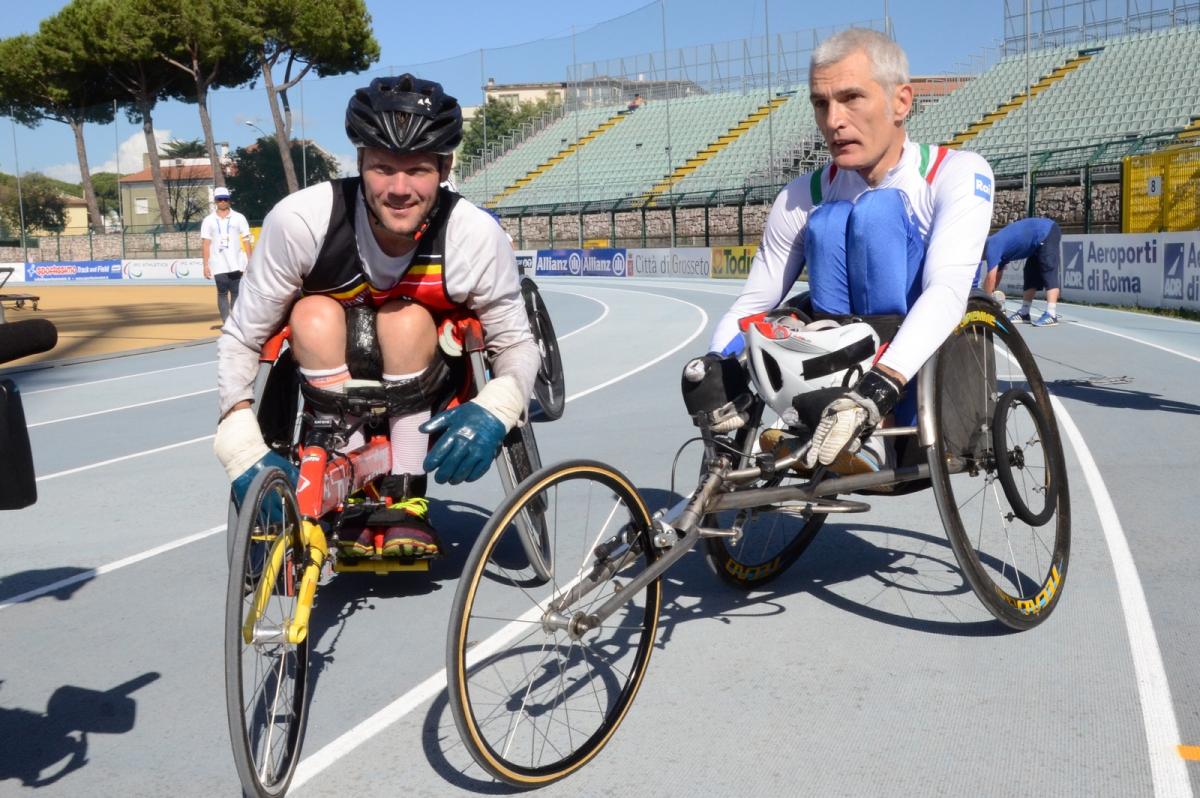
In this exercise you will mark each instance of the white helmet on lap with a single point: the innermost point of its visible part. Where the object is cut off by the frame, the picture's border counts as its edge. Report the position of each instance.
(789, 357)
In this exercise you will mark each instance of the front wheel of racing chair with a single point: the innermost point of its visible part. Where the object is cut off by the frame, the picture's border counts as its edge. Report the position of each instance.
(751, 547)
(997, 466)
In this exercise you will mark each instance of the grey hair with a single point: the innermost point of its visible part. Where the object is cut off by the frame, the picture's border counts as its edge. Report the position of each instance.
(888, 61)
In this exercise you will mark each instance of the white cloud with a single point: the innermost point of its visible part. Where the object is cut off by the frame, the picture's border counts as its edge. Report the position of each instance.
(347, 164)
(67, 172)
(132, 149)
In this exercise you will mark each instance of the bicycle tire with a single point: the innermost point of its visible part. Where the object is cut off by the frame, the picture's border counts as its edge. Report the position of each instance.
(963, 471)
(498, 627)
(266, 732)
(550, 386)
(759, 555)
(1010, 460)
(519, 458)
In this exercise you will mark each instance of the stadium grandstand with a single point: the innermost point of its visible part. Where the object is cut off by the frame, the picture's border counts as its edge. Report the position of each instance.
(1063, 113)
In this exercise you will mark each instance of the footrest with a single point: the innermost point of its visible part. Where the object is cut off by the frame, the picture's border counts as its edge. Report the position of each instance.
(378, 565)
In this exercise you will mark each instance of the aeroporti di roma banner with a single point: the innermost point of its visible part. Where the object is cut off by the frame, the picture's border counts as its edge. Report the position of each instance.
(732, 263)
(682, 262)
(1141, 269)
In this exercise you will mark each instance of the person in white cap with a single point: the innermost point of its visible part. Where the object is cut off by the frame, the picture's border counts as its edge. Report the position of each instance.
(225, 243)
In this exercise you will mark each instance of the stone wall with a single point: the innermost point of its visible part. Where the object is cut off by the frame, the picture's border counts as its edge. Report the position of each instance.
(533, 232)
(108, 247)
(1064, 204)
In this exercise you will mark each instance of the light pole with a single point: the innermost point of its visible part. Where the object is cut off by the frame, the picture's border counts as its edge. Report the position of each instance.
(259, 129)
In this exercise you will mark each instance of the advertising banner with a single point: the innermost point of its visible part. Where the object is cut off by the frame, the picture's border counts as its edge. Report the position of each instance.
(1144, 269)
(73, 270)
(732, 263)
(14, 272)
(581, 263)
(182, 269)
(684, 262)
(526, 259)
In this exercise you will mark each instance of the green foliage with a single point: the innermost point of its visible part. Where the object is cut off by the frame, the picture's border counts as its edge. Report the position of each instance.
(260, 183)
(179, 148)
(501, 119)
(107, 193)
(61, 186)
(330, 37)
(41, 201)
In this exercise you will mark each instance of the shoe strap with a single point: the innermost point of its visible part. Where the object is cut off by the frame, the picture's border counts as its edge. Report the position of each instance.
(417, 506)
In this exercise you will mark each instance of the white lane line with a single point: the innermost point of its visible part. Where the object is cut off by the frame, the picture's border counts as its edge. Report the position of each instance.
(112, 566)
(70, 471)
(312, 766)
(584, 296)
(695, 333)
(114, 379)
(1193, 358)
(1167, 770)
(123, 407)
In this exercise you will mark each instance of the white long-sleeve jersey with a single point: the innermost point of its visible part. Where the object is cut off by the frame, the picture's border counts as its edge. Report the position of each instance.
(950, 192)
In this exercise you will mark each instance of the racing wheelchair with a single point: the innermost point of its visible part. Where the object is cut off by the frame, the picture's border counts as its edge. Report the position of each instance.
(279, 539)
(541, 673)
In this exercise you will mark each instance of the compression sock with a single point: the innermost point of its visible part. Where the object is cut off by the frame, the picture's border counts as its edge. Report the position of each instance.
(409, 445)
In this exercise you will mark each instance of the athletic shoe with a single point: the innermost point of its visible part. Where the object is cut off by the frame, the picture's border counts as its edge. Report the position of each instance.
(402, 529)
(411, 535)
(1017, 317)
(1046, 320)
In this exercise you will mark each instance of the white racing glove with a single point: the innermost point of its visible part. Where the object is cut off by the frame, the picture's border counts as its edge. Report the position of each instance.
(850, 418)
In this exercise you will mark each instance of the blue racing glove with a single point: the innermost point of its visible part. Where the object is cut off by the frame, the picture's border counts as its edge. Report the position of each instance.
(471, 437)
(242, 483)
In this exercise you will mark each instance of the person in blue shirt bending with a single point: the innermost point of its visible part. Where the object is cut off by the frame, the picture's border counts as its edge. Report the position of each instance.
(1035, 239)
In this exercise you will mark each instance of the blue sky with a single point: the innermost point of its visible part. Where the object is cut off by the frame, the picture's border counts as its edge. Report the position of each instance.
(527, 41)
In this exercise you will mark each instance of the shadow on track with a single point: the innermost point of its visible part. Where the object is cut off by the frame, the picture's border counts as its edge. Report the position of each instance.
(895, 576)
(18, 584)
(1114, 396)
(40, 748)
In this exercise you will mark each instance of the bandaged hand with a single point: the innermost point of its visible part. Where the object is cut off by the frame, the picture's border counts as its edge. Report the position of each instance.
(240, 447)
(850, 418)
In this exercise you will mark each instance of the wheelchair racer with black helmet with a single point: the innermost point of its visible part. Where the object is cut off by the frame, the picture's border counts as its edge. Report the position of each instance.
(891, 233)
(371, 273)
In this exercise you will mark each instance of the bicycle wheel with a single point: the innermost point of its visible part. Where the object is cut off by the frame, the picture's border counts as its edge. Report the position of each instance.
(998, 471)
(520, 458)
(535, 690)
(549, 389)
(266, 678)
(768, 541)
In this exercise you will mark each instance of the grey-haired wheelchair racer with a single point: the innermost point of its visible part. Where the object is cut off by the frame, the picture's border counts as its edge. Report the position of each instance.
(891, 231)
(370, 274)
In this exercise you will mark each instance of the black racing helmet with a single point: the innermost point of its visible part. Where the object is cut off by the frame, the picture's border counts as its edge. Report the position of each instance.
(404, 114)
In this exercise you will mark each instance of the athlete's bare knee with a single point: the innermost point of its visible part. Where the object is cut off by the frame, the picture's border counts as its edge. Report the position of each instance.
(318, 332)
(407, 337)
